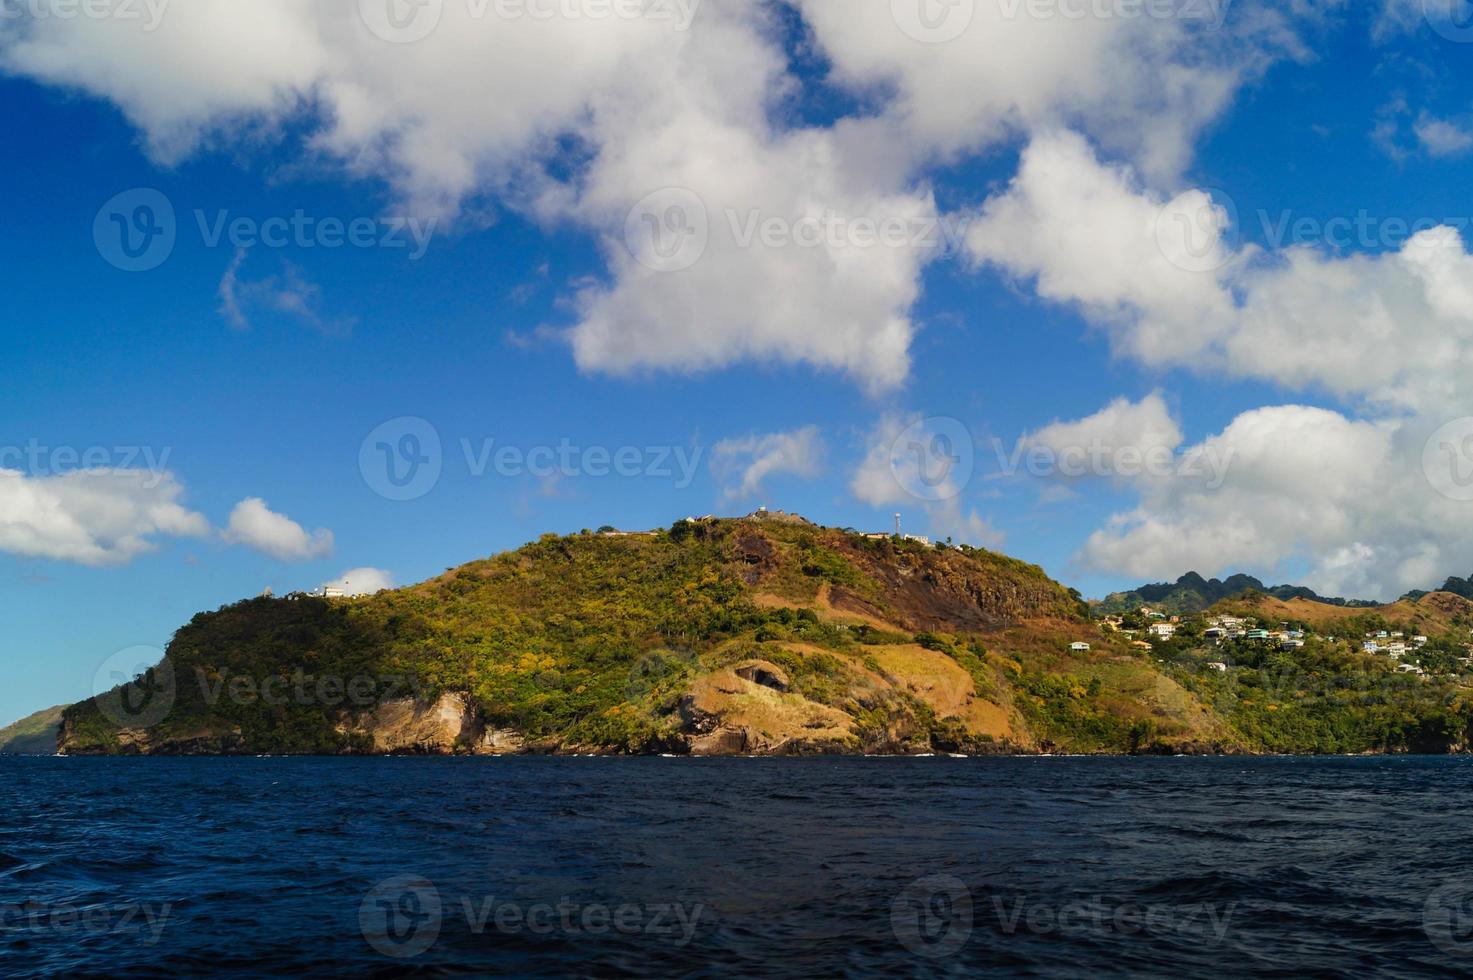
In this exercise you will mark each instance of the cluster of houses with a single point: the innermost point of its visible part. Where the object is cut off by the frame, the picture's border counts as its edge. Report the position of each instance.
(1395, 645)
(1220, 629)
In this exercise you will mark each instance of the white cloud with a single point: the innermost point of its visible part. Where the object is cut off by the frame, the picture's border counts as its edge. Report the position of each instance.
(1162, 276)
(289, 294)
(753, 459)
(1089, 234)
(92, 517)
(1143, 85)
(875, 481)
(1140, 427)
(255, 525)
(1350, 499)
(482, 110)
(1442, 138)
(361, 581)
(1390, 334)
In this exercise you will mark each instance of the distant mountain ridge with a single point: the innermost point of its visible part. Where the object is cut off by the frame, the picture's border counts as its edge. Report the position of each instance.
(1457, 586)
(33, 735)
(1193, 594)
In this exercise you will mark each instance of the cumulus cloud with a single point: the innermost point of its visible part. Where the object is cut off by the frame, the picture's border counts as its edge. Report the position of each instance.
(1390, 334)
(1349, 499)
(483, 109)
(255, 525)
(1145, 84)
(1443, 138)
(92, 517)
(750, 460)
(361, 581)
(1122, 428)
(1163, 277)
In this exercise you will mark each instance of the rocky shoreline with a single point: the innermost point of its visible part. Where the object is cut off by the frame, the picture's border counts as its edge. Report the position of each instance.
(452, 726)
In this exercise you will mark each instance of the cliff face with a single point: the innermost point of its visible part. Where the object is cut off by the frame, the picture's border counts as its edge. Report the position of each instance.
(749, 636)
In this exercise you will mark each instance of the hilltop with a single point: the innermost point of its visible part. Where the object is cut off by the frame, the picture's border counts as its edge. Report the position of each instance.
(764, 634)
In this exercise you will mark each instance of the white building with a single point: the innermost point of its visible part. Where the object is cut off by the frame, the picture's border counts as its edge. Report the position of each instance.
(1164, 630)
(1079, 647)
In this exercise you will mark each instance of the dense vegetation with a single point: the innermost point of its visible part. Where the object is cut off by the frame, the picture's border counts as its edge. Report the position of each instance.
(638, 643)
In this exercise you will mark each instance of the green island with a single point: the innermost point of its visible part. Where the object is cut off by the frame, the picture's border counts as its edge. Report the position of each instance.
(771, 635)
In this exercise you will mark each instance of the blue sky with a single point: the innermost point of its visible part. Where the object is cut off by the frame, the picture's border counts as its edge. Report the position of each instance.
(251, 377)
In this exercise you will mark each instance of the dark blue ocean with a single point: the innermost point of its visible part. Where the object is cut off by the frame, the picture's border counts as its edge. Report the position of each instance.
(726, 867)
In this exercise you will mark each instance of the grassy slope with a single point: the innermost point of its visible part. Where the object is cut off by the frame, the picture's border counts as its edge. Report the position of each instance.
(35, 735)
(742, 635)
(1435, 612)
